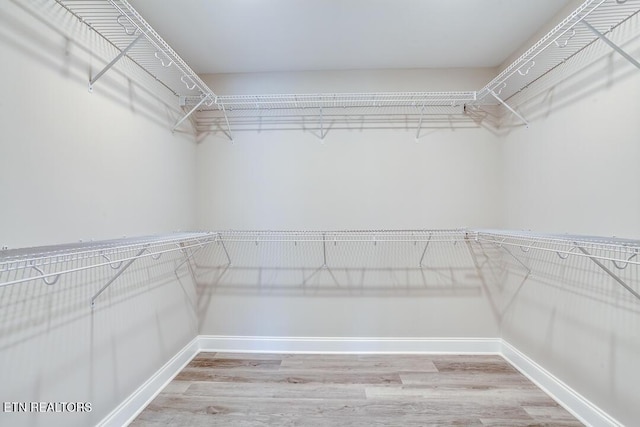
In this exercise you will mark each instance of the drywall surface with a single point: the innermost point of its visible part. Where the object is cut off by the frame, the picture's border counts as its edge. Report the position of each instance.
(76, 165)
(54, 348)
(574, 169)
(352, 179)
(345, 289)
(578, 323)
(350, 81)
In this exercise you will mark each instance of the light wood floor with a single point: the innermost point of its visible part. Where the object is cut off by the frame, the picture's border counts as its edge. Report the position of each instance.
(351, 390)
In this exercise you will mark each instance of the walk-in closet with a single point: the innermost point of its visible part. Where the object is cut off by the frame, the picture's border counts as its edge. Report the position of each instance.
(321, 212)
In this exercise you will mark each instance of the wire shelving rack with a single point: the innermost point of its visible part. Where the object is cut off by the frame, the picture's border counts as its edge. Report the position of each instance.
(122, 26)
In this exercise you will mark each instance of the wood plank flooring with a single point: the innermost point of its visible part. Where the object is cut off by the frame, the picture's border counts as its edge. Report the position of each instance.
(229, 389)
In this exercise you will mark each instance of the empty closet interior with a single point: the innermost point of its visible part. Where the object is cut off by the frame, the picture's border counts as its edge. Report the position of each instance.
(314, 177)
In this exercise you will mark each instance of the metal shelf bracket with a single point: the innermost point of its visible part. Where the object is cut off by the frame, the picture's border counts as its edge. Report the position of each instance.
(226, 119)
(425, 251)
(612, 44)
(115, 276)
(420, 123)
(186, 116)
(322, 133)
(518, 115)
(609, 272)
(122, 53)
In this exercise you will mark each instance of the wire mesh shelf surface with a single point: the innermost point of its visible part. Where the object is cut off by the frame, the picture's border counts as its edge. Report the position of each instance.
(416, 100)
(373, 236)
(620, 252)
(569, 37)
(51, 262)
(122, 26)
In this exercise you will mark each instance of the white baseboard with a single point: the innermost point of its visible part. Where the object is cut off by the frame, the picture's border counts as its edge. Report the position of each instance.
(572, 401)
(349, 345)
(579, 406)
(126, 412)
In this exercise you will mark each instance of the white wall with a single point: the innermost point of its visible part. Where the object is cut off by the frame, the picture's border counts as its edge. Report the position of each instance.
(80, 166)
(575, 170)
(579, 324)
(350, 81)
(73, 166)
(365, 290)
(55, 348)
(353, 179)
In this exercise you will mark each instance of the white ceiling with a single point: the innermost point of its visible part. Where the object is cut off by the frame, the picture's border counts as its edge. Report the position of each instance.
(230, 36)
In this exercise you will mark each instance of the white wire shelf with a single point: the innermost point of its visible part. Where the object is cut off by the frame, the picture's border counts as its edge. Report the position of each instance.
(591, 21)
(369, 236)
(621, 252)
(414, 100)
(570, 36)
(610, 255)
(51, 262)
(124, 28)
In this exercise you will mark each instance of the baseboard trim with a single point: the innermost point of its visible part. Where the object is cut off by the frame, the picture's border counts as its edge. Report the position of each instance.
(126, 412)
(213, 343)
(579, 406)
(572, 401)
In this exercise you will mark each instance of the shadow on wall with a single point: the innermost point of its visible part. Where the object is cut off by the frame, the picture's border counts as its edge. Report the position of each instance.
(55, 348)
(45, 33)
(578, 321)
(591, 70)
(444, 269)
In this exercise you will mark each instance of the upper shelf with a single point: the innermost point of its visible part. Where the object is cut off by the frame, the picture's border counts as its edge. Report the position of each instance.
(570, 36)
(347, 100)
(123, 27)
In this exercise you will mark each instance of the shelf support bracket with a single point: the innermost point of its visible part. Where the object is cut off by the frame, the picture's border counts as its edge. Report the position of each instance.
(321, 124)
(612, 44)
(609, 272)
(190, 112)
(425, 251)
(517, 259)
(226, 118)
(324, 251)
(226, 253)
(420, 123)
(187, 258)
(110, 64)
(115, 276)
(522, 119)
